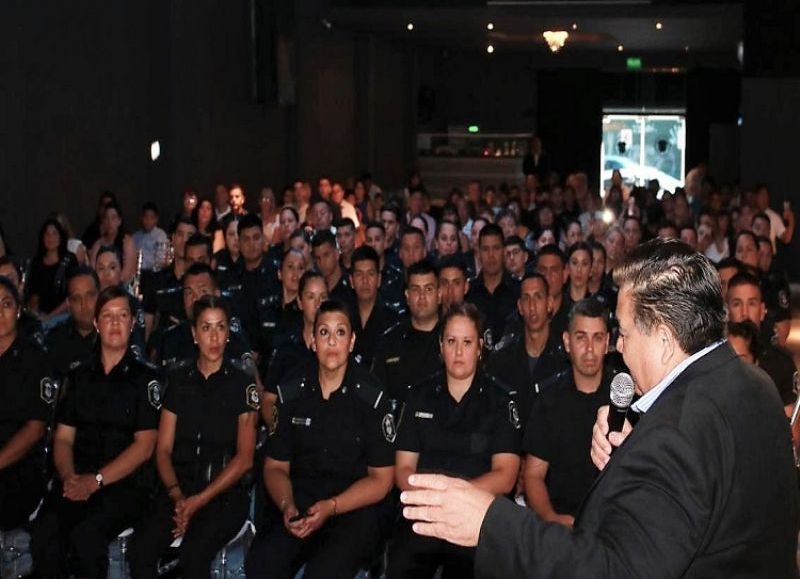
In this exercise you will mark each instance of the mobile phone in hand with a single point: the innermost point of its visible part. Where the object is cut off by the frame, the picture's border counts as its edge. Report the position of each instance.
(298, 517)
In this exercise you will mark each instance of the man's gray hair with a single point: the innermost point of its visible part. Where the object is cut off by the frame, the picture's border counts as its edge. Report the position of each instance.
(672, 284)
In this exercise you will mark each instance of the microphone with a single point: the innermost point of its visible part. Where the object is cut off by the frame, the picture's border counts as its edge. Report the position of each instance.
(621, 396)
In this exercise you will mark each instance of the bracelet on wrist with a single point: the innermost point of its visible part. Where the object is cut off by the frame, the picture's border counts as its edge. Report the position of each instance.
(333, 499)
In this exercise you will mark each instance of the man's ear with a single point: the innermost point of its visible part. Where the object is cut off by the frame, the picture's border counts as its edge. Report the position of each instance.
(565, 338)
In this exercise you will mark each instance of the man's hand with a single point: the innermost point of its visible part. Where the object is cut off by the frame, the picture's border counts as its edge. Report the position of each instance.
(602, 441)
(447, 508)
(80, 487)
(318, 513)
(566, 520)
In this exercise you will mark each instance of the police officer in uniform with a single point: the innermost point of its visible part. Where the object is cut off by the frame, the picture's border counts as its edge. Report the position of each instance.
(493, 291)
(391, 287)
(462, 423)
(326, 260)
(72, 341)
(529, 361)
(28, 393)
(408, 352)
(330, 462)
(558, 469)
(374, 315)
(177, 348)
(29, 327)
(162, 297)
(206, 440)
(105, 434)
(257, 278)
(278, 313)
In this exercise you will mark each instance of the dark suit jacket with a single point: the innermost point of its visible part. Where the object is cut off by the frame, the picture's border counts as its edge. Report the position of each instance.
(704, 487)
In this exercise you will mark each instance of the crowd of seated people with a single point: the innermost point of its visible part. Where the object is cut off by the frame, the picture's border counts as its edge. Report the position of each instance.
(298, 362)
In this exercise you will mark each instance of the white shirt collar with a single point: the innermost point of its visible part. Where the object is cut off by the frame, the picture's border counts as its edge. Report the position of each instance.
(647, 400)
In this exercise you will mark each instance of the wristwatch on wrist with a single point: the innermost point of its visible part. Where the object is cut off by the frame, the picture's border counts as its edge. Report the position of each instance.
(98, 477)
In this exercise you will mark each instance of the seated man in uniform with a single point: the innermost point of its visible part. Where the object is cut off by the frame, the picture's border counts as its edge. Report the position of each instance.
(326, 260)
(745, 302)
(558, 468)
(453, 281)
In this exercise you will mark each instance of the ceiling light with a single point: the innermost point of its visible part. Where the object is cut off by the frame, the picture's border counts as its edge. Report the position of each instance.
(686, 48)
(490, 49)
(490, 26)
(574, 25)
(555, 39)
(620, 48)
(410, 26)
(659, 26)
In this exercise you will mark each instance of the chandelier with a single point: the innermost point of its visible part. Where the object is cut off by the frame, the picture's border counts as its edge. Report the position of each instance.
(555, 39)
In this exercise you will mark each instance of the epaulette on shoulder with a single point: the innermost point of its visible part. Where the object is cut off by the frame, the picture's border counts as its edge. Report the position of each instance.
(506, 341)
(292, 388)
(146, 364)
(551, 381)
(397, 308)
(367, 387)
(501, 385)
(391, 330)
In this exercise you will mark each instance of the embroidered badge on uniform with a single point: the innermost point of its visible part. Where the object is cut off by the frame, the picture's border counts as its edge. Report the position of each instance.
(154, 394)
(389, 430)
(48, 390)
(247, 360)
(783, 299)
(488, 339)
(513, 414)
(253, 399)
(236, 325)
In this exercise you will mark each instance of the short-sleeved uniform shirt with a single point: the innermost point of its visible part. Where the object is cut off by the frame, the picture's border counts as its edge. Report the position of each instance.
(177, 348)
(66, 347)
(28, 392)
(459, 438)
(107, 410)
(291, 359)
(331, 443)
(207, 410)
(559, 432)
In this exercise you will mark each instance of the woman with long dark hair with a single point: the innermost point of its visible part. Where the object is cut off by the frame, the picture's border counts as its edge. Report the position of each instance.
(47, 286)
(112, 232)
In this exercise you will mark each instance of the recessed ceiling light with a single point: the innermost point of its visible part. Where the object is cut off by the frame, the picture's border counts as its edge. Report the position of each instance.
(490, 26)
(686, 48)
(574, 25)
(410, 26)
(490, 49)
(620, 48)
(659, 26)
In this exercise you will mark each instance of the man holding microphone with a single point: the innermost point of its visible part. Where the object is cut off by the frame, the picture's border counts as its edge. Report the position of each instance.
(703, 487)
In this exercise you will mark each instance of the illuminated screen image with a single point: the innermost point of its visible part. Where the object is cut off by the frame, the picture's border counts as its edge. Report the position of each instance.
(643, 148)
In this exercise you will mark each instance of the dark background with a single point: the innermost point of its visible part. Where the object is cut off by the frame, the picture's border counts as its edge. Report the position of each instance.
(264, 91)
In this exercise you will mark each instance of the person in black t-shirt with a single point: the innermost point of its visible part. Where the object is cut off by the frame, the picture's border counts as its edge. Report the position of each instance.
(558, 438)
(460, 423)
(329, 463)
(105, 434)
(47, 286)
(206, 441)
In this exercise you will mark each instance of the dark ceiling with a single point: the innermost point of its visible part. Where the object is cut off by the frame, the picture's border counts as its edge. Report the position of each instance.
(600, 26)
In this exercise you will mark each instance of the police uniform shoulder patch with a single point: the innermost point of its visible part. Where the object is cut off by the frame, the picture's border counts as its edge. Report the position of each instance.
(155, 394)
(253, 398)
(388, 427)
(236, 325)
(48, 390)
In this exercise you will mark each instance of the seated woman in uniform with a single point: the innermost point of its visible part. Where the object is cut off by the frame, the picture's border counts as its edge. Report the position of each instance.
(206, 440)
(293, 354)
(329, 464)
(105, 433)
(28, 394)
(460, 423)
(108, 265)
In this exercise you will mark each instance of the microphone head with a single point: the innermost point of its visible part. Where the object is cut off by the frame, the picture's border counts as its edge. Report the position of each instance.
(622, 390)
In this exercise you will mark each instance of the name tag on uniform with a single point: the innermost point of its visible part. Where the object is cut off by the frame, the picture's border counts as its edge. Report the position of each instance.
(394, 360)
(423, 415)
(296, 421)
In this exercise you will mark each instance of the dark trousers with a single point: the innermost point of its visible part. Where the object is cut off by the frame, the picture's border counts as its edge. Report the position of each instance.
(336, 551)
(209, 531)
(83, 529)
(21, 489)
(413, 556)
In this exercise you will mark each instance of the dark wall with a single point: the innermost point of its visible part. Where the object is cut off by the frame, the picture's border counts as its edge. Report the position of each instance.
(713, 97)
(570, 119)
(84, 92)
